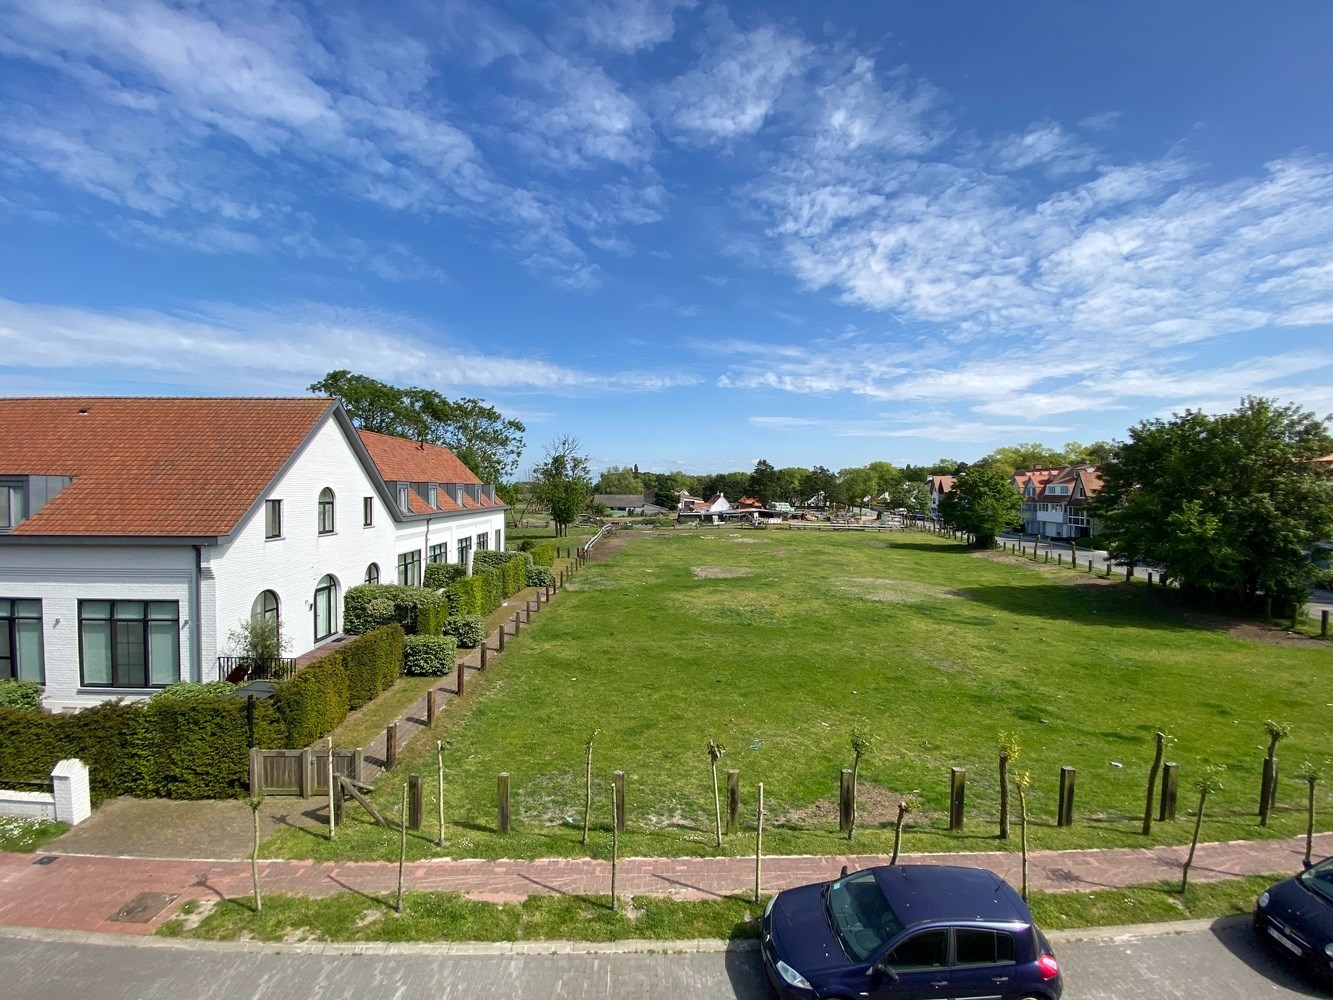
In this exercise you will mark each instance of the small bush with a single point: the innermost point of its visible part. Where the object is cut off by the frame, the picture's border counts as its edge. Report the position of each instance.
(467, 630)
(20, 694)
(527, 544)
(540, 576)
(188, 691)
(430, 655)
(543, 554)
(369, 606)
(440, 575)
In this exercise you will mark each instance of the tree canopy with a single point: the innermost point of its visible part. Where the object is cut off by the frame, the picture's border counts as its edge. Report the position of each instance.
(485, 440)
(562, 481)
(982, 503)
(1223, 504)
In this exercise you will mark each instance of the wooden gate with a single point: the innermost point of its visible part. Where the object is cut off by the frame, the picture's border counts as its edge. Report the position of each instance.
(300, 772)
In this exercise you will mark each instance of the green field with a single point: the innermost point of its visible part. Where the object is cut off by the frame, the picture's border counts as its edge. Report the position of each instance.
(778, 643)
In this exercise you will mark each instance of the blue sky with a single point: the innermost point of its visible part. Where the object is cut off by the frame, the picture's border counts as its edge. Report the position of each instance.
(693, 234)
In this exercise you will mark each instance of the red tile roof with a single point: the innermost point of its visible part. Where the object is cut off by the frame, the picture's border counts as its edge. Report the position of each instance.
(151, 467)
(404, 461)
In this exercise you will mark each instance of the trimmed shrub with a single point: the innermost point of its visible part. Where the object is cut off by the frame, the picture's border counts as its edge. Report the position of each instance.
(527, 544)
(515, 573)
(369, 606)
(374, 662)
(430, 655)
(188, 691)
(440, 575)
(20, 694)
(470, 595)
(314, 702)
(543, 554)
(540, 576)
(199, 747)
(466, 630)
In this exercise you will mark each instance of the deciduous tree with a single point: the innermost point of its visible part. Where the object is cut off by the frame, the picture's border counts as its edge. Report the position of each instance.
(982, 503)
(562, 481)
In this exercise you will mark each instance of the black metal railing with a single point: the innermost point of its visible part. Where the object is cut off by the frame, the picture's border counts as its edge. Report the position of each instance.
(238, 669)
(15, 784)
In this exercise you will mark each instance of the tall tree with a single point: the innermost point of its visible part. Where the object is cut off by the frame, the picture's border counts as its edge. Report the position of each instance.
(619, 479)
(485, 440)
(1223, 504)
(855, 485)
(818, 480)
(763, 482)
(562, 481)
(788, 484)
(982, 503)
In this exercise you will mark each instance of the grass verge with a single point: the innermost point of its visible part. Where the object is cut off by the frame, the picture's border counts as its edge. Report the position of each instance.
(23, 836)
(450, 917)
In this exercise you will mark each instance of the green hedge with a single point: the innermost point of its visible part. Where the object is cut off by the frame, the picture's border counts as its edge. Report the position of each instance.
(430, 655)
(467, 630)
(20, 694)
(374, 663)
(314, 702)
(543, 554)
(470, 595)
(512, 567)
(368, 606)
(440, 575)
(540, 576)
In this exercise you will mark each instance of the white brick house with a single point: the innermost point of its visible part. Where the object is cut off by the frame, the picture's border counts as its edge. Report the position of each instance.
(136, 534)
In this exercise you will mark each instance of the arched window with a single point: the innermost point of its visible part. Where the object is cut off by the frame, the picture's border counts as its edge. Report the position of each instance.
(265, 607)
(326, 608)
(326, 511)
(373, 573)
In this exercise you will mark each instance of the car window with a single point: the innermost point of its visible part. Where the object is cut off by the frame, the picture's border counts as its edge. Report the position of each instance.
(927, 950)
(978, 946)
(1320, 878)
(861, 915)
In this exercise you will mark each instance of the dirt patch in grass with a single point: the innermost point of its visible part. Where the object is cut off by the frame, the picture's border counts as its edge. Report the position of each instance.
(891, 591)
(948, 666)
(720, 572)
(876, 806)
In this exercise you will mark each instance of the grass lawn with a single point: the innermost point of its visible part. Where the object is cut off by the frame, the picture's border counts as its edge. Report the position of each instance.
(450, 917)
(778, 643)
(22, 836)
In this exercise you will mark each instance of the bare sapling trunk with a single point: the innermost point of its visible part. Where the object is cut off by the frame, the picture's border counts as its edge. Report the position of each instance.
(255, 803)
(1152, 782)
(1021, 782)
(715, 752)
(1311, 775)
(402, 848)
(615, 845)
(860, 746)
(333, 824)
(1209, 782)
(587, 783)
(1277, 732)
(1009, 751)
(907, 804)
(439, 789)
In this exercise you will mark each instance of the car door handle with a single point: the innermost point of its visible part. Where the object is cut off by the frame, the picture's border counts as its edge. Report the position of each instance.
(1000, 979)
(942, 982)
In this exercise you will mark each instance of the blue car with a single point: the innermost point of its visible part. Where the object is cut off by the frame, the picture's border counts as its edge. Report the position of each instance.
(907, 932)
(1296, 918)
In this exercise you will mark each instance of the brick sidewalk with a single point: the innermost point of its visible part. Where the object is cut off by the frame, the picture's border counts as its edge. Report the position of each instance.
(84, 893)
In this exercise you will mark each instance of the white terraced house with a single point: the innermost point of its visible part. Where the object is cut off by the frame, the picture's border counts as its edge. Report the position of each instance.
(136, 534)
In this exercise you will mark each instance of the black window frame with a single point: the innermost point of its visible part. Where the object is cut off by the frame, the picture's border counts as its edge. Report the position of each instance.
(367, 512)
(433, 495)
(373, 573)
(405, 497)
(19, 488)
(329, 592)
(325, 520)
(10, 616)
(272, 513)
(483, 541)
(499, 542)
(275, 612)
(464, 547)
(409, 568)
(438, 553)
(994, 933)
(113, 619)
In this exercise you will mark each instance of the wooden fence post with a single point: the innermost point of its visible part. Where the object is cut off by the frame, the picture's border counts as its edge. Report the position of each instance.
(517, 623)
(733, 802)
(256, 772)
(1170, 787)
(1066, 807)
(1129, 572)
(430, 707)
(339, 799)
(416, 801)
(358, 764)
(504, 630)
(303, 779)
(390, 745)
(462, 672)
(845, 801)
(1323, 624)
(483, 652)
(759, 843)
(618, 782)
(957, 793)
(1149, 578)
(502, 793)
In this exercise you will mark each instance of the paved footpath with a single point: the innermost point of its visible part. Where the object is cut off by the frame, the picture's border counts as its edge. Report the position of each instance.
(86, 893)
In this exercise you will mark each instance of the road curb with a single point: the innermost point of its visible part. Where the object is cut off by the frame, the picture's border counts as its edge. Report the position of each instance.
(1127, 931)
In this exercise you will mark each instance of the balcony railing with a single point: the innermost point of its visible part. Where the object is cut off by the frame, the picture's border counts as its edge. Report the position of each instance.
(239, 669)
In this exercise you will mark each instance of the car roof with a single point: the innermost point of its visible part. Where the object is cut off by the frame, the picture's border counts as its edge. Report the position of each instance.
(924, 893)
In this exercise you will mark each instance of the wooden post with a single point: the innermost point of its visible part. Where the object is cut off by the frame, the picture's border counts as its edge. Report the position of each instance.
(957, 793)
(1323, 624)
(502, 793)
(516, 623)
(333, 818)
(1059, 559)
(303, 779)
(462, 673)
(439, 788)
(759, 843)
(1066, 806)
(618, 784)
(483, 652)
(1089, 565)
(615, 840)
(1047, 553)
(390, 745)
(250, 719)
(1152, 782)
(358, 764)
(503, 632)
(256, 772)
(1108, 567)
(339, 801)
(845, 805)
(416, 801)
(733, 802)
(430, 707)
(402, 848)
(1129, 572)
(1170, 788)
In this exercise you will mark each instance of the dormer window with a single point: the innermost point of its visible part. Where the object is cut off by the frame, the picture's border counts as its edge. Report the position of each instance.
(433, 495)
(404, 502)
(12, 507)
(326, 511)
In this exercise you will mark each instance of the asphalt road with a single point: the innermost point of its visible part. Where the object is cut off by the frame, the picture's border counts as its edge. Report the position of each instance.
(1222, 962)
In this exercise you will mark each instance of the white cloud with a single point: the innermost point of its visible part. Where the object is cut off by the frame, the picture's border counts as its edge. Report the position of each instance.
(629, 25)
(1046, 145)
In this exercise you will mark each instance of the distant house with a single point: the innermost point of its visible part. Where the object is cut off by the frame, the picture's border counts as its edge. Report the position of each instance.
(138, 533)
(1055, 500)
(629, 503)
(692, 508)
(937, 486)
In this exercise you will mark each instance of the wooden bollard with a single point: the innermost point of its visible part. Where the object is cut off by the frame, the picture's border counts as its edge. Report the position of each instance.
(1170, 788)
(1149, 578)
(462, 674)
(1323, 624)
(338, 799)
(618, 783)
(1048, 556)
(484, 651)
(1065, 815)
(846, 800)
(957, 793)
(516, 623)
(1108, 567)
(1089, 565)
(390, 746)
(1268, 606)
(430, 707)
(1059, 558)
(503, 632)
(1129, 572)
(733, 802)
(502, 797)
(416, 801)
